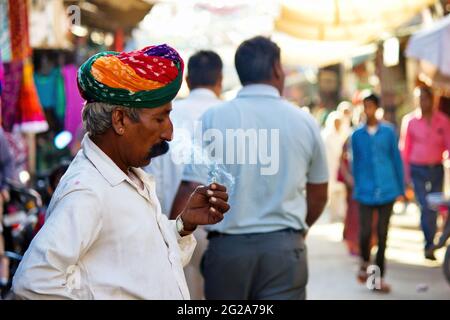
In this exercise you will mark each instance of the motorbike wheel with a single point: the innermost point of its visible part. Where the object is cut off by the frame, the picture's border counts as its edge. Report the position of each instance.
(446, 265)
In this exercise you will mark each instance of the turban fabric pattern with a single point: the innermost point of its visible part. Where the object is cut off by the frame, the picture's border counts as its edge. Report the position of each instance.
(146, 78)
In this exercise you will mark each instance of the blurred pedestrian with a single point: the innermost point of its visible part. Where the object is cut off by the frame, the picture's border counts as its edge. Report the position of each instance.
(334, 138)
(378, 182)
(425, 135)
(345, 109)
(204, 80)
(258, 251)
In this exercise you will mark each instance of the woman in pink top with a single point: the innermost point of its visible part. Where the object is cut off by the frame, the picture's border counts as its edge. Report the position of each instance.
(425, 135)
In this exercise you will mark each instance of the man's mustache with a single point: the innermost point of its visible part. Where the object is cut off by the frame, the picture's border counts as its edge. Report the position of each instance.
(159, 149)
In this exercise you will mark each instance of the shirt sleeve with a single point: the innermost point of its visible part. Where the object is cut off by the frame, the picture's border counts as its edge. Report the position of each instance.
(398, 163)
(318, 166)
(50, 268)
(355, 156)
(447, 135)
(405, 146)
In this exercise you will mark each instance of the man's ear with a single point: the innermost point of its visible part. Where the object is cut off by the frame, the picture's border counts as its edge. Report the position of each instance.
(278, 70)
(118, 121)
(188, 82)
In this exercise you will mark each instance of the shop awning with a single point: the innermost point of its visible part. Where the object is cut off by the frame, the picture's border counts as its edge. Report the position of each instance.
(345, 20)
(110, 15)
(431, 47)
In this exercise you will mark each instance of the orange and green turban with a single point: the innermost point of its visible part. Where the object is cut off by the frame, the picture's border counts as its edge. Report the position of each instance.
(146, 78)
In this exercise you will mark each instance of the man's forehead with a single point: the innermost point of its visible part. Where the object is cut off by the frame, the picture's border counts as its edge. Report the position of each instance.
(160, 110)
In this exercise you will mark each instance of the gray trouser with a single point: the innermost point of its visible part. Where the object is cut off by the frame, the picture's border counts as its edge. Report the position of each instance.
(256, 266)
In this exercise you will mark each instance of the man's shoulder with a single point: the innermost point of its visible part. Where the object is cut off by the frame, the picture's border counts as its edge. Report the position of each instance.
(443, 117)
(411, 116)
(219, 109)
(81, 176)
(387, 126)
(358, 130)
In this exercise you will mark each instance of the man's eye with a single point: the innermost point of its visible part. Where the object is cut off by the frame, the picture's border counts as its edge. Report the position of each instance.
(160, 120)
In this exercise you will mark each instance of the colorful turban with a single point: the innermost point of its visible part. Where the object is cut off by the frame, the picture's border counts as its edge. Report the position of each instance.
(146, 78)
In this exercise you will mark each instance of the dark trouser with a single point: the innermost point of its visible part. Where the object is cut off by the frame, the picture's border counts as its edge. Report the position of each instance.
(365, 232)
(427, 179)
(256, 266)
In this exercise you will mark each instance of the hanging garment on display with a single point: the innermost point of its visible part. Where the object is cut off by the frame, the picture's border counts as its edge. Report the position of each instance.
(10, 94)
(74, 101)
(18, 23)
(60, 107)
(31, 117)
(5, 35)
(2, 74)
(46, 87)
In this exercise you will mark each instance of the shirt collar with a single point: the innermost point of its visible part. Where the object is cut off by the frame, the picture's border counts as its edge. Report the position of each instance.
(259, 90)
(107, 168)
(203, 93)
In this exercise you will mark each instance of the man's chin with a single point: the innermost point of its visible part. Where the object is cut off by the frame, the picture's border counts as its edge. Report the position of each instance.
(147, 162)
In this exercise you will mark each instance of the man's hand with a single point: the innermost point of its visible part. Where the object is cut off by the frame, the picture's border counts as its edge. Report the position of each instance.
(206, 205)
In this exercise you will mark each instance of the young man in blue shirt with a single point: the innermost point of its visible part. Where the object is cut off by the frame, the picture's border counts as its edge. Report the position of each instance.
(378, 174)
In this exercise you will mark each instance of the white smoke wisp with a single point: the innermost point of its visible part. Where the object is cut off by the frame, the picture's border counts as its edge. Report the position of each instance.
(185, 151)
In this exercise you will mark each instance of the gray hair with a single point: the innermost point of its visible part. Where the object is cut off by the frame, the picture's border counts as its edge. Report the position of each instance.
(97, 116)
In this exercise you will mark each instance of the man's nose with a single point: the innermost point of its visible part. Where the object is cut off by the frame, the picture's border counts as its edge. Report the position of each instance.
(167, 134)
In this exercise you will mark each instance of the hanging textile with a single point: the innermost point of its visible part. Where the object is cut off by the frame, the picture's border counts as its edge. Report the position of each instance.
(2, 74)
(19, 149)
(10, 94)
(5, 35)
(18, 22)
(60, 97)
(74, 101)
(46, 86)
(31, 118)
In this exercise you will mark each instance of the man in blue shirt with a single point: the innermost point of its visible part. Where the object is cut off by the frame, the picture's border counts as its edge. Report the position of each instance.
(378, 175)
(280, 171)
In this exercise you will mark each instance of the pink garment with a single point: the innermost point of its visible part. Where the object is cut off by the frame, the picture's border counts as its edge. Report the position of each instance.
(423, 142)
(74, 101)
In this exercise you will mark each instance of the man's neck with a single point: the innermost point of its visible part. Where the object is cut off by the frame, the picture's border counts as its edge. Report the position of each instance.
(210, 88)
(427, 115)
(106, 143)
(372, 122)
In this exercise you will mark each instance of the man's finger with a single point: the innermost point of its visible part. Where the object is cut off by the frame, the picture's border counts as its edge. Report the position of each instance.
(217, 187)
(218, 194)
(215, 215)
(219, 204)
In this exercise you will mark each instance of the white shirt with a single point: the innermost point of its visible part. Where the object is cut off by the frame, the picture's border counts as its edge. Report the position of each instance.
(167, 172)
(372, 129)
(334, 143)
(104, 238)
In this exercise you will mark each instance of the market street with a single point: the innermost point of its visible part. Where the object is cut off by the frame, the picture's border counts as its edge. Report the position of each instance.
(332, 271)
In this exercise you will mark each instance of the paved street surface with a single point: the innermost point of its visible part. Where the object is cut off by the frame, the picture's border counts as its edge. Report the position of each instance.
(332, 271)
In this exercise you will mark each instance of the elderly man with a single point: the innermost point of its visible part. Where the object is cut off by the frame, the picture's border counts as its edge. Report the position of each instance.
(105, 236)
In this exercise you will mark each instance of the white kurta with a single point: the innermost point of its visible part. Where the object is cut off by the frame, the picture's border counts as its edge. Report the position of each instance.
(104, 238)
